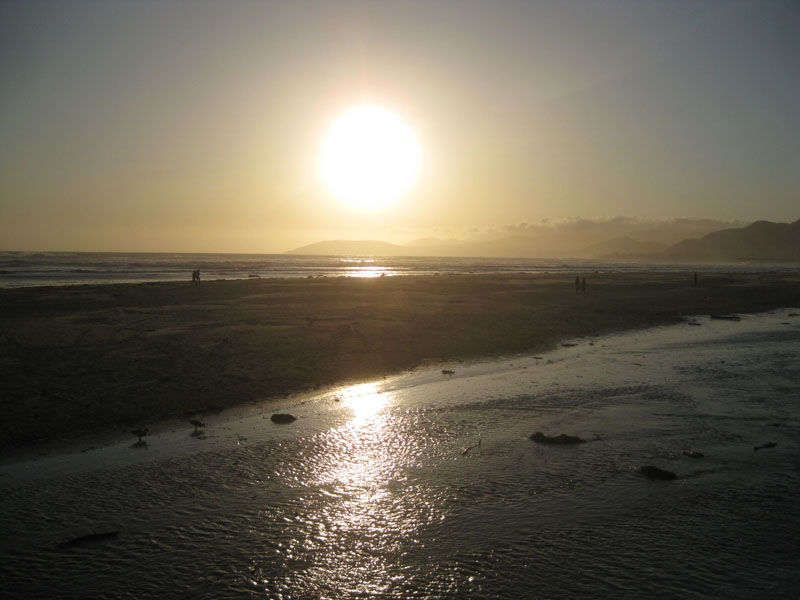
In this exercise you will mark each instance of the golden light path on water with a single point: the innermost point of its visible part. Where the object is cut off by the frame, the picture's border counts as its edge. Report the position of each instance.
(368, 272)
(362, 521)
(364, 268)
(365, 401)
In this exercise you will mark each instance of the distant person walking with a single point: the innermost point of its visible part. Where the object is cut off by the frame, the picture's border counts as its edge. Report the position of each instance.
(695, 279)
(583, 285)
(196, 276)
(577, 285)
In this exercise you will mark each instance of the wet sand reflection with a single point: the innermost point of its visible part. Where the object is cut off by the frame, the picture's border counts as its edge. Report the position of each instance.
(362, 516)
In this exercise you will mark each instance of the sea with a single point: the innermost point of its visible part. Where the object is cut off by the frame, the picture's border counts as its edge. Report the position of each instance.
(24, 269)
(427, 484)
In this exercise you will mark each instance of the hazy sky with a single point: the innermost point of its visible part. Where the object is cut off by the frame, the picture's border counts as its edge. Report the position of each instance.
(196, 126)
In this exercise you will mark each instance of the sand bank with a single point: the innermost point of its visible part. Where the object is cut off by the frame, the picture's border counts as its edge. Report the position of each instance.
(81, 358)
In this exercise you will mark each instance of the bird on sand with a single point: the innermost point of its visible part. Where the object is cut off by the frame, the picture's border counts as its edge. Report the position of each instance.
(196, 424)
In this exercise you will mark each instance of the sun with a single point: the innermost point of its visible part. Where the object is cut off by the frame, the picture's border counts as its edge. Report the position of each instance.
(369, 158)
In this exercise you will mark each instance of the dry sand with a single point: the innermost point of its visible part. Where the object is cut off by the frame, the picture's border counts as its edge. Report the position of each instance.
(82, 358)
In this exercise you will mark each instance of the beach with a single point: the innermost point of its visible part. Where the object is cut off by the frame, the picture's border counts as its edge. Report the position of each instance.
(429, 485)
(78, 359)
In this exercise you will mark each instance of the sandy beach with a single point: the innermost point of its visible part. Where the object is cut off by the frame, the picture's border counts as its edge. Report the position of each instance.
(429, 485)
(76, 359)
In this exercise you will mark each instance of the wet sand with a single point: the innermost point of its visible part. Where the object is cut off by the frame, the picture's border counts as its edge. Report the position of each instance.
(84, 358)
(373, 492)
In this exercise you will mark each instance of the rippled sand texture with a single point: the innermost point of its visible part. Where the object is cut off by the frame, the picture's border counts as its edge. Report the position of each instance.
(372, 493)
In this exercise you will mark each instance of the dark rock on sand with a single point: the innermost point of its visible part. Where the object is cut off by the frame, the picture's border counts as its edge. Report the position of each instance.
(693, 454)
(447, 372)
(561, 440)
(283, 418)
(767, 445)
(656, 473)
(92, 538)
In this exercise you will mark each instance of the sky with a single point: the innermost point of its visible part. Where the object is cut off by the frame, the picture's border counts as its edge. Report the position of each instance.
(192, 126)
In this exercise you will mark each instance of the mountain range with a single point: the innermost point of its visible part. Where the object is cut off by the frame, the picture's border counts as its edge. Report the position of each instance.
(759, 241)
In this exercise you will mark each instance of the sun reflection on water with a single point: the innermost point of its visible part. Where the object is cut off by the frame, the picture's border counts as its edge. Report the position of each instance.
(368, 272)
(362, 472)
(359, 509)
(365, 401)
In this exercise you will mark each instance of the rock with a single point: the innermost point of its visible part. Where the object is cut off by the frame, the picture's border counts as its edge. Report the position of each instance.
(560, 440)
(447, 372)
(767, 445)
(283, 418)
(656, 473)
(693, 454)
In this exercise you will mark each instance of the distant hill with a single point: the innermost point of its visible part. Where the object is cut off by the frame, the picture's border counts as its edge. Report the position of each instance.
(759, 241)
(508, 247)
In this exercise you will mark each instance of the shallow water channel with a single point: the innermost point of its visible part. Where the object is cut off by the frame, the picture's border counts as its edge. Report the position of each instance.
(426, 485)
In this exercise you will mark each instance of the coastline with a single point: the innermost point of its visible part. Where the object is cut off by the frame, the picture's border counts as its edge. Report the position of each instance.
(79, 359)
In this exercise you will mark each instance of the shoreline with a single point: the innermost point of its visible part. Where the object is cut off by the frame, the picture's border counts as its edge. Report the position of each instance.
(87, 359)
(317, 410)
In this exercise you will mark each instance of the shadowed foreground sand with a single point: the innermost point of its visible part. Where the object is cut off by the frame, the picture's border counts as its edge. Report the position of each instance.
(82, 358)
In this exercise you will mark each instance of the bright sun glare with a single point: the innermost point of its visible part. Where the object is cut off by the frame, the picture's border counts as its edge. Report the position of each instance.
(370, 158)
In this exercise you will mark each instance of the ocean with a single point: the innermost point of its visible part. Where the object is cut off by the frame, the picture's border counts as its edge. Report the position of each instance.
(426, 484)
(23, 269)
